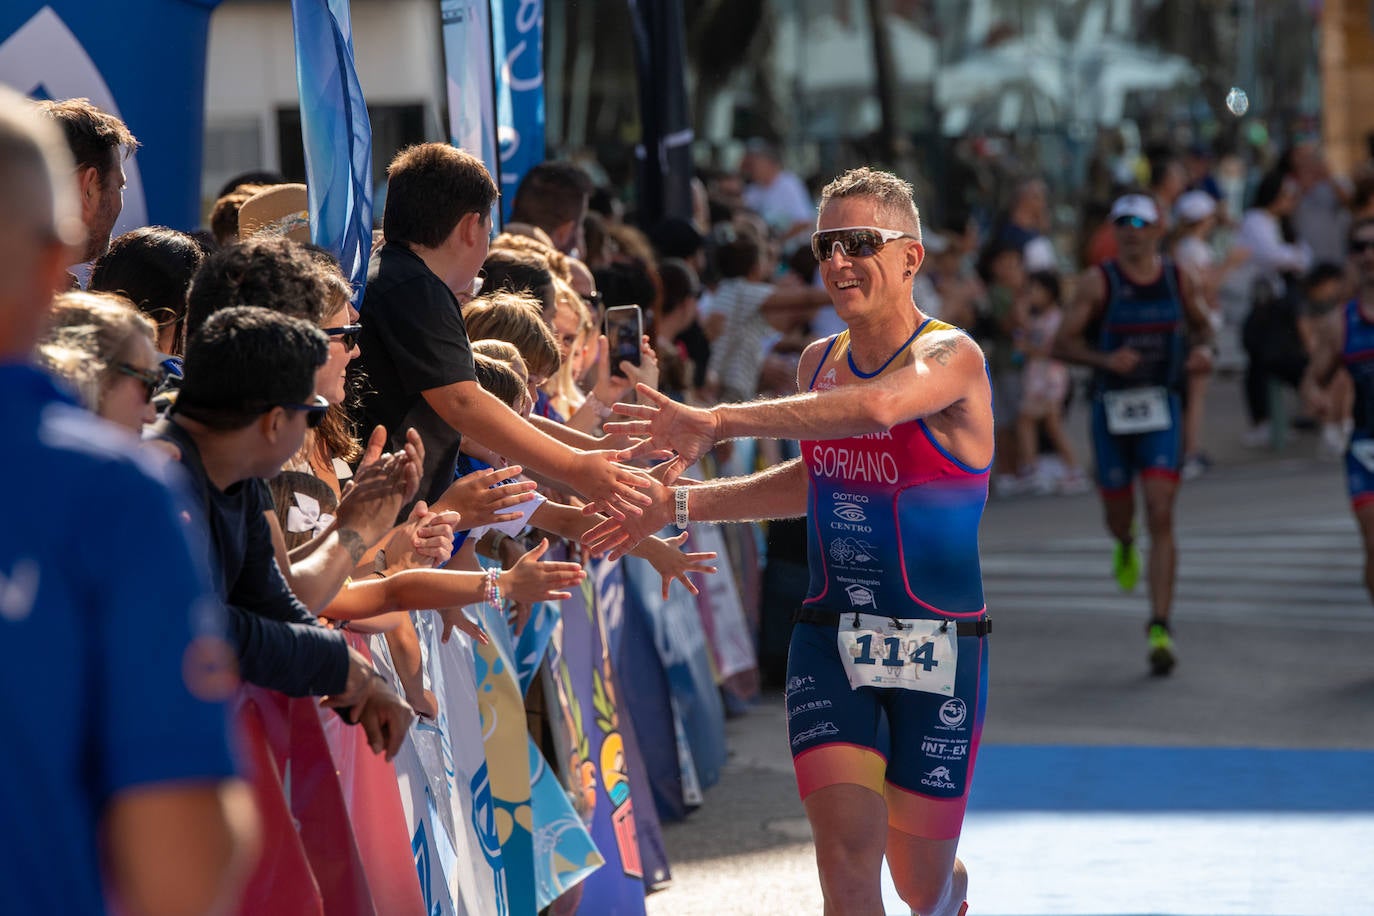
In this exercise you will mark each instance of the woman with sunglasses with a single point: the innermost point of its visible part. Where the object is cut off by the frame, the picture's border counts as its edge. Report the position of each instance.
(895, 423)
(101, 345)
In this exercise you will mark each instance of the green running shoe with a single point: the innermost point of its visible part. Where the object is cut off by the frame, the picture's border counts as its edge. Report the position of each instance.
(1126, 566)
(1161, 650)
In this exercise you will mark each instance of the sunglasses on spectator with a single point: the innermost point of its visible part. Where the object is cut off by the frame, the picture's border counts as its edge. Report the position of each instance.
(1360, 245)
(348, 334)
(854, 241)
(1134, 222)
(152, 379)
(314, 411)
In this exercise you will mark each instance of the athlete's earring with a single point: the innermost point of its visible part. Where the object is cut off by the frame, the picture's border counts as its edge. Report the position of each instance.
(907, 275)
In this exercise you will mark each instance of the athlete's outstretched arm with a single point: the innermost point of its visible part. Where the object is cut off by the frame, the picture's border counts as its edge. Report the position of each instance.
(779, 492)
(945, 370)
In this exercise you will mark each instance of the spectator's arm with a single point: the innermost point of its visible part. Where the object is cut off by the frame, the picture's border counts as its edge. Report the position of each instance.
(1324, 363)
(180, 848)
(295, 658)
(788, 307)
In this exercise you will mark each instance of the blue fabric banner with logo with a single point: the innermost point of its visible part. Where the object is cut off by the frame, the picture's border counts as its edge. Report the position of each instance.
(336, 134)
(142, 60)
(467, 34)
(518, 44)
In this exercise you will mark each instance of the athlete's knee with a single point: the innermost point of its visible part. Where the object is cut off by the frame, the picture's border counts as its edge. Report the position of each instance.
(933, 894)
(849, 875)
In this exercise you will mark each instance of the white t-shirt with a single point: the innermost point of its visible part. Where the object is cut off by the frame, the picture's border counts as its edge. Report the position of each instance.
(782, 203)
(737, 354)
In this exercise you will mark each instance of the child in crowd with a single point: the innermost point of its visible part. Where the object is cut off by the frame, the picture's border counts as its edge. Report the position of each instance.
(1044, 386)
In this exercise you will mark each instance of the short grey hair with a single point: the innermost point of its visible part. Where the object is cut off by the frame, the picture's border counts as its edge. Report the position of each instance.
(894, 196)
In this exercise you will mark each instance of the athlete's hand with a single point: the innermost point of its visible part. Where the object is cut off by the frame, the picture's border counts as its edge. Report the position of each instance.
(667, 424)
(618, 536)
(1199, 360)
(1123, 361)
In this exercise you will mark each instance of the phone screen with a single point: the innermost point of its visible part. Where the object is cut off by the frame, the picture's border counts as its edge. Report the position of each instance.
(624, 328)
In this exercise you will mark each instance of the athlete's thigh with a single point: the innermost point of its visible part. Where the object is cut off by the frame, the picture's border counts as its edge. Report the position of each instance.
(1111, 455)
(833, 729)
(1161, 452)
(934, 746)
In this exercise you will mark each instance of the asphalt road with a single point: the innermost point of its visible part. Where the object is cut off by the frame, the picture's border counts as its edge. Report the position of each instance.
(1276, 651)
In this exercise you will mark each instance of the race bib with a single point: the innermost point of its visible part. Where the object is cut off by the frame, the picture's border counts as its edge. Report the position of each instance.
(910, 654)
(1363, 452)
(1137, 410)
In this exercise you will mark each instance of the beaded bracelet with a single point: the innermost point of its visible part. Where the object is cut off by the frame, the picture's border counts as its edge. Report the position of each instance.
(494, 587)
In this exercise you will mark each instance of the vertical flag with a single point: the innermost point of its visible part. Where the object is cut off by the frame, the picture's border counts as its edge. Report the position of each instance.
(467, 33)
(518, 45)
(336, 133)
(665, 148)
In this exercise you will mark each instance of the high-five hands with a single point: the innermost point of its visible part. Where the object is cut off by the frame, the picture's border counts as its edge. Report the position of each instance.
(662, 423)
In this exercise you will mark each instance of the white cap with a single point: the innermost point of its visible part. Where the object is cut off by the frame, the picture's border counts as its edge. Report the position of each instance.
(1195, 206)
(1140, 206)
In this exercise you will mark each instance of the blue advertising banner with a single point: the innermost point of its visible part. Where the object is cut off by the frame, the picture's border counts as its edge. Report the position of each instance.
(336, 135)
(142, 60)
(518, 44)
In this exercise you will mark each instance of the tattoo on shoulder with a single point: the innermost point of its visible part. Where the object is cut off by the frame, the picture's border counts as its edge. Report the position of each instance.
(353, 543)
(942, 350)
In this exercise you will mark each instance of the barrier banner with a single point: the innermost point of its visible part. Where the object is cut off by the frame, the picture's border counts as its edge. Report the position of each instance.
(587, 699)
(685, 655)
(442, 770)
(518, 44)
(647, 697)
(612, 595)
(152, 76)
(336, 135)
(564, 853)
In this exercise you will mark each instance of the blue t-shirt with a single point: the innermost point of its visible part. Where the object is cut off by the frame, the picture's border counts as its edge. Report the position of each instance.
(96, 630)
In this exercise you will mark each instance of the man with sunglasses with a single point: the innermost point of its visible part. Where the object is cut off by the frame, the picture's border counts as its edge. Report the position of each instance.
(1344, 338)
(243, 410)
(118, 785)
(895, 418)
(1141, 323)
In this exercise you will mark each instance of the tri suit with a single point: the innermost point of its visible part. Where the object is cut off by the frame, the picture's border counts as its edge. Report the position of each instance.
(892, 537)
(1137, 418)
(1357, 353)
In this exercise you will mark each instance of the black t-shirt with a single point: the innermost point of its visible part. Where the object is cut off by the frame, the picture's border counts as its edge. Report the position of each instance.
(281, 645)
(413, 339)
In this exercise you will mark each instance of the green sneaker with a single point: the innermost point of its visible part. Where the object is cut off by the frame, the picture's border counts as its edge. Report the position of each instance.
(1126, 566)
(1161, 649)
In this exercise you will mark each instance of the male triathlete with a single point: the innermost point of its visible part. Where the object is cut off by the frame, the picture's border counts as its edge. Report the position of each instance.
(1345, 338)
(897, 440)
(1138, 320)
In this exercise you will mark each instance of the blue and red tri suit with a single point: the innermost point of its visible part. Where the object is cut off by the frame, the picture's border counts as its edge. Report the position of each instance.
(1357, 353)
(1149, 318)
(893, 531)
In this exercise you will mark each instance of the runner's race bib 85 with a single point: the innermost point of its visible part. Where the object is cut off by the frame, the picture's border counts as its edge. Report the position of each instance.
(1137, 410)
(910, 654)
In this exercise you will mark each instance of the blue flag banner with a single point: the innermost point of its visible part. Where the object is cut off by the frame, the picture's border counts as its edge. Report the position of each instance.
(467, 27)
(336, 134)
(152, 76)
(518, 45)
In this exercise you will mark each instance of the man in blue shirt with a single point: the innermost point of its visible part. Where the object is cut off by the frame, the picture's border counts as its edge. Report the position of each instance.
(121, 756)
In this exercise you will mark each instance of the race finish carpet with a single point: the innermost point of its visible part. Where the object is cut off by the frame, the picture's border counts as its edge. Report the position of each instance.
(1130, 831)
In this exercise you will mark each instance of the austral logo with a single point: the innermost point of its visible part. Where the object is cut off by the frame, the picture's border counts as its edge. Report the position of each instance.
(939, 778)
